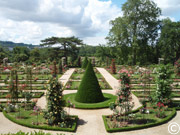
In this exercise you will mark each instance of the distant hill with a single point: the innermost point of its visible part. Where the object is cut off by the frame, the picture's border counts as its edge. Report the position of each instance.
(10, 44)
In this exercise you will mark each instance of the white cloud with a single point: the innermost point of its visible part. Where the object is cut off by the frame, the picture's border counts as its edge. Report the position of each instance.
(95, 40)
(169, 8)
(164, 17)
(32, 21)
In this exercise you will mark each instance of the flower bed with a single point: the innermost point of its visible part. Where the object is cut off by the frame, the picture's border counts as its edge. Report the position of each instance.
(73, 85)
(152, 121)
(34, 95)
(141, 94)
(29, 117)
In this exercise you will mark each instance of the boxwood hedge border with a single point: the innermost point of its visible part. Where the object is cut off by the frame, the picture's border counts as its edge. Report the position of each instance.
(73, 129)
(165, 120)
(105, 104)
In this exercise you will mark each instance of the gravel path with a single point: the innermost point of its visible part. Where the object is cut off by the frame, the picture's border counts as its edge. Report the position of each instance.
(91, 122)
(63, 79)
(114, 83)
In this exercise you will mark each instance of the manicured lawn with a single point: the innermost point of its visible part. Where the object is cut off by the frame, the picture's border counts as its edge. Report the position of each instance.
(34, 95)
(37, 76)
(30, 119)
(73, 85)
(105, 104)
(146, 93)
(137, 121)
(27, 88)
(79, 76)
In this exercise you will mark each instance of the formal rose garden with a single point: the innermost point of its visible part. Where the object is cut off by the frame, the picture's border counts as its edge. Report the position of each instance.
(156, 86)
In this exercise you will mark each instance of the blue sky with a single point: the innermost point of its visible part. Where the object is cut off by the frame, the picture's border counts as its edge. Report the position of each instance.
(119, 3)
(86, 19)
(168, 5)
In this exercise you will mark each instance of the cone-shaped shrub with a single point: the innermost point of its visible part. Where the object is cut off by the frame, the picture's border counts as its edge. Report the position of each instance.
(89, 90)
(85, 63)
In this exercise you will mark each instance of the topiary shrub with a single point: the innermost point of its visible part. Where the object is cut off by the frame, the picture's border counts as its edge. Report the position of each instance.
(89, 90)
(60, 67)
(85, 63)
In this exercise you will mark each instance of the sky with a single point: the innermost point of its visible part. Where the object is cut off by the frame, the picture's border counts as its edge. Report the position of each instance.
(30, 21)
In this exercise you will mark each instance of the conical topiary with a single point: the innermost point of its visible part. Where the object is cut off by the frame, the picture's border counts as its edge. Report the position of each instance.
(89, 90)
(85, 63)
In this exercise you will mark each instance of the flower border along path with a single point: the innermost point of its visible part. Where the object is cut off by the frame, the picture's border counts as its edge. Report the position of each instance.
(7, 126)
(114, 83)
(91, 122)
(63, 79)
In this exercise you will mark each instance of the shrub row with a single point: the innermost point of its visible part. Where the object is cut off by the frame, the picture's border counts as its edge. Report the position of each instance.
(36, 96)
(100, 105)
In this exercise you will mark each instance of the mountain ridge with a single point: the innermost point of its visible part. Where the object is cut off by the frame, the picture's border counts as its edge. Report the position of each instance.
(11, 44)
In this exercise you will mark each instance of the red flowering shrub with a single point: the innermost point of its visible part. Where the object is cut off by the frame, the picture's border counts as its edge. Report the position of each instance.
(124, 102)
(113, 67)
(9, 67)
(177, 66)
(161, 108)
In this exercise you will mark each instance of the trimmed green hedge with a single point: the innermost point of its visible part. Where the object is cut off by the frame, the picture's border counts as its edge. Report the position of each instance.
(103, 104)
(30, 133)
(89, 90)
(85, 63)
(165, 120)
(73, 129)
(36, 96)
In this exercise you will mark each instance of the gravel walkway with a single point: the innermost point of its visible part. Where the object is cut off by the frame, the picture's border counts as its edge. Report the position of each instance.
(91, 122)
(63, 79)
(114, 83)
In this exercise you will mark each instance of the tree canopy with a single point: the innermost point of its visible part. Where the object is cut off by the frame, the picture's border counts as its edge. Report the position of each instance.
(67, 45)
(137, 28)
(169, 42)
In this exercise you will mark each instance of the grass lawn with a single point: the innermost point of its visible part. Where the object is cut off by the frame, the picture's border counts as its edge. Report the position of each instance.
(73, 85)
(34, 95)
(146, 93)
(27, 88)
(105, 104)
(76, 76)
(137, 120)
(38, 76)
(31, 119)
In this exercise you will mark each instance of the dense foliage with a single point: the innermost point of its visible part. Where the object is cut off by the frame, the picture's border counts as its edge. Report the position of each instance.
(85, 63)
(135, 32)
(13, 85)
(163, 84)
(89, 90)
(55, 113)
(177, 65)
(68, 45)
(169, 42)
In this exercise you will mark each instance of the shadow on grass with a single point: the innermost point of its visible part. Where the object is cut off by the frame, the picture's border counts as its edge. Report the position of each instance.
(106, 98)
(141, 121)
